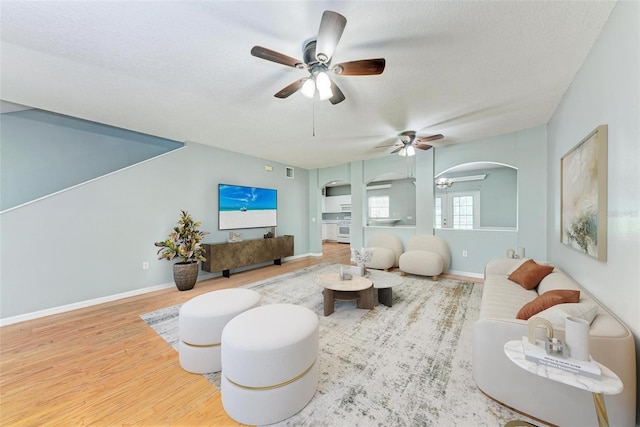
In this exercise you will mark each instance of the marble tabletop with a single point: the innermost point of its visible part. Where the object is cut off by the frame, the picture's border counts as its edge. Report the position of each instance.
(332, 281)
(609, 383)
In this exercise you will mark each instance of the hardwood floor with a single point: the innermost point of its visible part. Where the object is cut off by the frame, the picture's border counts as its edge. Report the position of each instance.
(103, 365)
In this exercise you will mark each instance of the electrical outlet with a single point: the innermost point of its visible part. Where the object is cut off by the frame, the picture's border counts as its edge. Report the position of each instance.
(145, 265)
(464, 253)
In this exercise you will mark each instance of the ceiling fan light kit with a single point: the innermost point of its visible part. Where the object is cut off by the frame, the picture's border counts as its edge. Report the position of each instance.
(407, 151)
(317, 54)
(308, 88)
(443, 183)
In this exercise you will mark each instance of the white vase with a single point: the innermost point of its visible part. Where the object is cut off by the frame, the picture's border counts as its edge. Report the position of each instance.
(358, 270)
(577, 338)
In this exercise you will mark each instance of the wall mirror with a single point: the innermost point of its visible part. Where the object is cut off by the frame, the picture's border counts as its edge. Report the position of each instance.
(391, 202)
(477, 196)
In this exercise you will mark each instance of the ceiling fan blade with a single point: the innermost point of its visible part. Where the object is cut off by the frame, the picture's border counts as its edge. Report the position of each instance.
(397, 149)
(291, 89)
(429, 138)
(422, 146)
(388, 142)
(338, 96)
(331, 28)
(272, 55)
(363, 67)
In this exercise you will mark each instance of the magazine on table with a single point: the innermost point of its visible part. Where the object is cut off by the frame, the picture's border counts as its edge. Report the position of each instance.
(537, 353)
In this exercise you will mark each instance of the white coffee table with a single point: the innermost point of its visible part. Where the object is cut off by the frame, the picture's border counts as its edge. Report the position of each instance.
(383, 281)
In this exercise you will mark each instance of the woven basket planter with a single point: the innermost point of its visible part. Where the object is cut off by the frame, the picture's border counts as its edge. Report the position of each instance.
(185, 275)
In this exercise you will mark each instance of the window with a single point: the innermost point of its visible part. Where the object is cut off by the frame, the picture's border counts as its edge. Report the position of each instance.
(460, 210)
(463, 212)
(438, 212)
(379, 207)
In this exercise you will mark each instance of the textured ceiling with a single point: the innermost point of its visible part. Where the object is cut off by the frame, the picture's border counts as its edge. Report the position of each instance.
(183, 70)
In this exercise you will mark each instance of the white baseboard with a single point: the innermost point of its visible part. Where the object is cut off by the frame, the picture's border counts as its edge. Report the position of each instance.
(466, 273)
(81, 304)
(88, 303)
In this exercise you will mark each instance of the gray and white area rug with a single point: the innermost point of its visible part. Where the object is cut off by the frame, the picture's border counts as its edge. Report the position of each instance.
(405, 365)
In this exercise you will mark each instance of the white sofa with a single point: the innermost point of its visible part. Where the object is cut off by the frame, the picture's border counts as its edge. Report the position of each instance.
(611, 343)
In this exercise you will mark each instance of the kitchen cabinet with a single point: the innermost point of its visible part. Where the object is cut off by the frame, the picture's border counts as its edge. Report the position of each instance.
(333, 204)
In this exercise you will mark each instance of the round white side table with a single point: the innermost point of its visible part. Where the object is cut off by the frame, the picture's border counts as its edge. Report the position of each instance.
(610, 383)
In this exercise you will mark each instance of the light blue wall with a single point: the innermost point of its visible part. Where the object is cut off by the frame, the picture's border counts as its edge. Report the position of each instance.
(90, 242)
(525, 150)
(606, 90)
(44, 152)
(498, 195)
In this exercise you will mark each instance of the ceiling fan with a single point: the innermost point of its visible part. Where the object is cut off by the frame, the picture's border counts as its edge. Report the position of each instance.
(408, 143)
(316, 56)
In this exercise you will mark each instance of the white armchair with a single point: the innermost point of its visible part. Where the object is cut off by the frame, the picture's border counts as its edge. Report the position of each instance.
(426, 256)
(386, 249)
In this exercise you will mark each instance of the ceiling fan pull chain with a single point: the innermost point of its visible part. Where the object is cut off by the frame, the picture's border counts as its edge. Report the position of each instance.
(313, 117)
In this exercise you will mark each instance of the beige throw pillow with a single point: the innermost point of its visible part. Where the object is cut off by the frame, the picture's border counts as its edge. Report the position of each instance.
(557, 315)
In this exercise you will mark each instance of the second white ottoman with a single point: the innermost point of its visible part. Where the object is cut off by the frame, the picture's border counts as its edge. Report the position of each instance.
(201, 321)
(269, 363)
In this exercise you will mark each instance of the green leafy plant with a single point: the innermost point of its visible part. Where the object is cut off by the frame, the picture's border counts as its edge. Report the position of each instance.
(183, 242)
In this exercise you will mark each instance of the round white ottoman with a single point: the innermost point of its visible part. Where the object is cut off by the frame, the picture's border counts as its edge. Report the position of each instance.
(269, 363)
(201, 321)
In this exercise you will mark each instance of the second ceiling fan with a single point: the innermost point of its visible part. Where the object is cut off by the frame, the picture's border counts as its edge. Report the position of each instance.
(317, 54)
(408, 143)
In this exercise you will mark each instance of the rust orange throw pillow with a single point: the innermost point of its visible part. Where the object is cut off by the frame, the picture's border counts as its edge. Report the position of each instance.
(546, 300)
(529, 274)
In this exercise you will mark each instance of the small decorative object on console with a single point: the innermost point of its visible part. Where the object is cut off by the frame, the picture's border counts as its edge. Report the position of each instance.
(234, 237)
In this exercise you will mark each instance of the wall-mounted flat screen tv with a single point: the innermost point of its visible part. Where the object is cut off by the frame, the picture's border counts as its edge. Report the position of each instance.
(246, 207)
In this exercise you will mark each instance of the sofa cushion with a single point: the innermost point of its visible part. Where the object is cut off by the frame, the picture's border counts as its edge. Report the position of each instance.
(557, 315)
(546, 300)
(529, 274)
(501, 299)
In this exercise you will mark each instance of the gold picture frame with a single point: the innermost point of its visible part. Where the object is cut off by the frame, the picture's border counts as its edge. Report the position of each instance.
(583, 195)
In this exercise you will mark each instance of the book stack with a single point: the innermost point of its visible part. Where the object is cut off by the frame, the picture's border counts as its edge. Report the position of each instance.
(537, 353)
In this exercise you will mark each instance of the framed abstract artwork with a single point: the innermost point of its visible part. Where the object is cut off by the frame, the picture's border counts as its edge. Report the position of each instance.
(583, 194)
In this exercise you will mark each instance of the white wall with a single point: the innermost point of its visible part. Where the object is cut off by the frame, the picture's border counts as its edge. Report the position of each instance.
(606, 90)
(89, 242)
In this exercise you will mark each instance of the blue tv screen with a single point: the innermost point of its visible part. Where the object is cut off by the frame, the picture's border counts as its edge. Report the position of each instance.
(246, 207)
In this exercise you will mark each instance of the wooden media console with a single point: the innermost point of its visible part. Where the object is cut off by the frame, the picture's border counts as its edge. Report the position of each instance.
(225, 256)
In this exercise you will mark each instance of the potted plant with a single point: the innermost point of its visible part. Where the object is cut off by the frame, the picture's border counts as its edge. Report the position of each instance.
(184, 243)
(360, 257)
